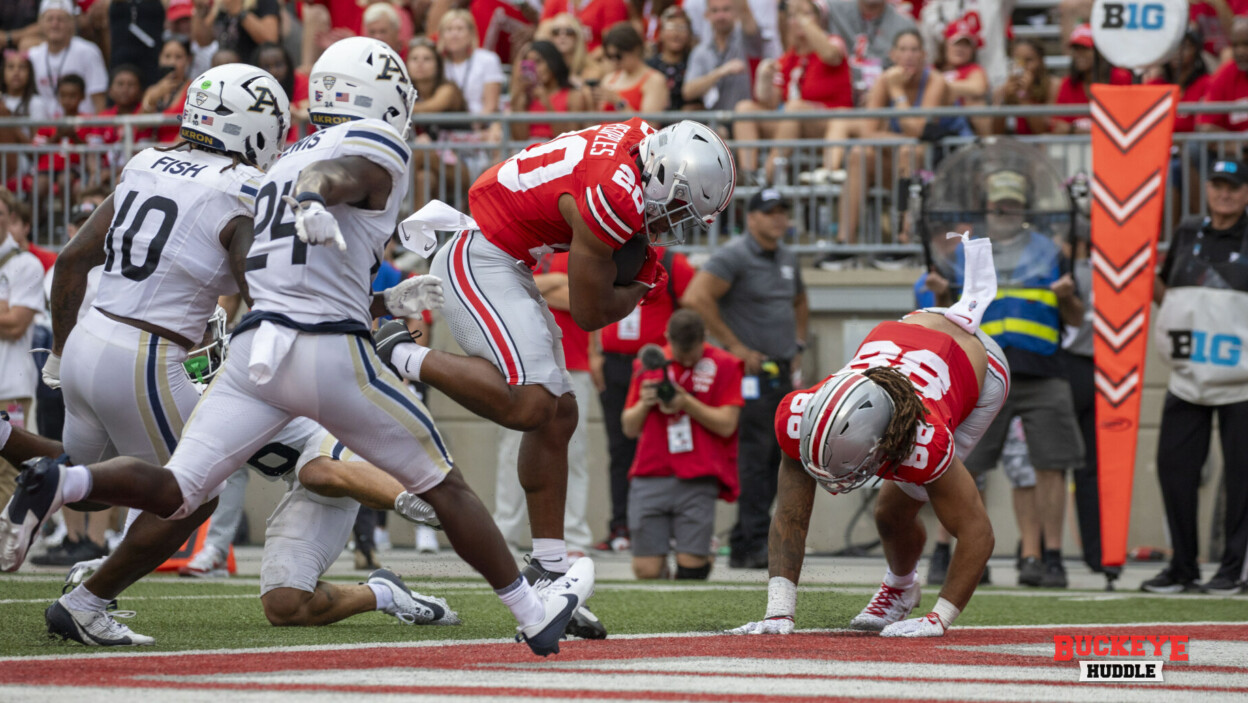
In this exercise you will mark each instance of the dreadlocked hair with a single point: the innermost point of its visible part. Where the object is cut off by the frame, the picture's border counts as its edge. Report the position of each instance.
(235, 159)
(898, 440)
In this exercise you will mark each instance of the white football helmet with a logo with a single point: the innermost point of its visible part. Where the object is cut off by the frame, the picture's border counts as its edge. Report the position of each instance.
(359, 78)
(237, 109)
(841, 428)
(688, 176)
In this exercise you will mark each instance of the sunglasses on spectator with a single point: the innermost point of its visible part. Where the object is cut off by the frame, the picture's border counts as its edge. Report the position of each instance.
(563, 31)
(612, 56)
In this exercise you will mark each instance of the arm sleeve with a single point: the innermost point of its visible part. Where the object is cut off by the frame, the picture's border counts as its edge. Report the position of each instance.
(723, 264)
(491, 68)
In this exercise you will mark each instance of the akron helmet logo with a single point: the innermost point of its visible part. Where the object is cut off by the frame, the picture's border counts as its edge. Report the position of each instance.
(264, 99)
(390, 69)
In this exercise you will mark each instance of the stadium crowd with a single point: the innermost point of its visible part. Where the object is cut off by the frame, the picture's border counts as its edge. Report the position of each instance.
(67, 58)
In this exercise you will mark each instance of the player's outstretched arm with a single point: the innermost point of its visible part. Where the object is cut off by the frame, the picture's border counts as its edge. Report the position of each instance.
(347, 180)
(69, 281)
(786, 550)
(593, 299)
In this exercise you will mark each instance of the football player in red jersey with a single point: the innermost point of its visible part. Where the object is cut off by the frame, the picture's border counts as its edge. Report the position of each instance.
(586, 192)
(914, 400)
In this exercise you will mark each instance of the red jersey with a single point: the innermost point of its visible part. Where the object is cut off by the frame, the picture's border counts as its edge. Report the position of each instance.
(1070, 92)
(559, 103)
(496, 20)
(816, 81)
(647, 324)
(1228, 84)
(1193, 93)
(575, 340)
(941, 373)
(596, 16)
(716, 381)
(516, 203)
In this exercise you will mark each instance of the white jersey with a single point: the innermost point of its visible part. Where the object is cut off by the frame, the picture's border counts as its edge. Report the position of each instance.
(316, 284)
(165, 264)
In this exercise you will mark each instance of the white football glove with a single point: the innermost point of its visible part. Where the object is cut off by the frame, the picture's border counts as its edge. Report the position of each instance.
(412, 507)
(314, 224)
(929, 625)
(52, 372)
(414, 295)
(770, 626)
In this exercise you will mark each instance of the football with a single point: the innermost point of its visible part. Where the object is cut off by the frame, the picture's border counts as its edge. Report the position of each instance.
(629, 258)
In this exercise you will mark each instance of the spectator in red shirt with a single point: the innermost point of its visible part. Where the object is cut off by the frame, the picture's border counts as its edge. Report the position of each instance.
(630, 85)
(596, 15)
(1087, 67)
(541, 84)
(959, 60)
(812, 74)
(611, 354)
(1229, 84)
(686, 432)
(274, 59)
(1188, 71)
(437, 94)
(71, 88)
(168, 95)
(1029, 84)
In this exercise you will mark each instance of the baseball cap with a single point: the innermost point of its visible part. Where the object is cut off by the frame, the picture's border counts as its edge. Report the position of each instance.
(1081, 36)
(1006, 185)
(766, 200)
(963, 29)
(1232, 171)
(62, 5)
(179, 9)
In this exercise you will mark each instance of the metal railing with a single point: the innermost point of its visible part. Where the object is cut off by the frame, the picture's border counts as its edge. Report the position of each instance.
(444, 168)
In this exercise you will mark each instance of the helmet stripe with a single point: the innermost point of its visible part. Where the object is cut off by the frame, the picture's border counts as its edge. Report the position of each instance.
(827, 411)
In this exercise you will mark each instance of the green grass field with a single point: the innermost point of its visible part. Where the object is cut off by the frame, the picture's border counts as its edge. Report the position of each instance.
(197, 615)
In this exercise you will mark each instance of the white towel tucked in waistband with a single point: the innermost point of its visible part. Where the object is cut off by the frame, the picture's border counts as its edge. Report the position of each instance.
(979, 282)
(418, 231)
(268, 347)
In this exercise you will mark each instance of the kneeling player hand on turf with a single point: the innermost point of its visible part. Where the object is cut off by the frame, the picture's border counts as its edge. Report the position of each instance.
(930, 625)
(313, 223)
(782, 625)
(414, 295)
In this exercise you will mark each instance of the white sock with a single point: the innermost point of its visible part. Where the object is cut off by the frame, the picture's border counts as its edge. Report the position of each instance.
(385, 596)
(82, 599)
(903, 582)
(132, 514)
(979, 283)
(523, 602)
(407, 358)
(77, 483)
(552, 553)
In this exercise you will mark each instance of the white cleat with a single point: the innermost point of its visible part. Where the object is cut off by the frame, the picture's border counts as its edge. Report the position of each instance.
(410, 606)
(889, 605)
(91, 627)
(38, 496)
(561, 598)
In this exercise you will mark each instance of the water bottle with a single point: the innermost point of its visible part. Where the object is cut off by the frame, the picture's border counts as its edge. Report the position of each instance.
(781, 177)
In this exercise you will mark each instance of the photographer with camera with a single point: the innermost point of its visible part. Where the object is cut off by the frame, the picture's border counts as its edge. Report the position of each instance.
(683, 407)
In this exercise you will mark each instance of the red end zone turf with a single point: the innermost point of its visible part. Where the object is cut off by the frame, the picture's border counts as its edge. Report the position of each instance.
(1006, 664)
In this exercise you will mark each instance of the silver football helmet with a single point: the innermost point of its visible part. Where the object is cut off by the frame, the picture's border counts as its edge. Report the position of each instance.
(688, 175)
(204, 363)
(841, 429)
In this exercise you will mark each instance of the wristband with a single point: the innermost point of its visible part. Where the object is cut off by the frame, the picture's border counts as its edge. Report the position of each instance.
(781, 598)
(309, 195)
(946, 611)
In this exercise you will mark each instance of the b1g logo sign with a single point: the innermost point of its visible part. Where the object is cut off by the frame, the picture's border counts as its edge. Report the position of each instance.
(1138, 33)
(1200, 347)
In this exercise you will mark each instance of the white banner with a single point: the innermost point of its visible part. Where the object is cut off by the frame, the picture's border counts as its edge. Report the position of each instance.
(1120, 672)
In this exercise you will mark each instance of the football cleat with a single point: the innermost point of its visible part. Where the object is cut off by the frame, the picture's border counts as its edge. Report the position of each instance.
(889, 605)
(410, 606)
(38, 496)
(583, 624)
(206, 564)
(561, 599)
(90, 627)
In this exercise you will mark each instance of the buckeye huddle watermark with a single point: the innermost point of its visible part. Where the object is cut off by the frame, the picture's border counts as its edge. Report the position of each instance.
(1119, 656)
